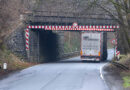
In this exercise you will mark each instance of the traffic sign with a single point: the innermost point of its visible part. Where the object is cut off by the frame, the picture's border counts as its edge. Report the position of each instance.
(114, 41)
(75, 24)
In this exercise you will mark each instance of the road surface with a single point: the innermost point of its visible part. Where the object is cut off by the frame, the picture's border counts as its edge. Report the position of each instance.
(71, 74)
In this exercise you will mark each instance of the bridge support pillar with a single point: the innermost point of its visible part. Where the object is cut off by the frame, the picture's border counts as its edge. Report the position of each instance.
(60, 35)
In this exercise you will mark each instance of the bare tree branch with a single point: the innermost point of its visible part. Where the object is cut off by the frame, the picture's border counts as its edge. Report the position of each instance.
(110, 13)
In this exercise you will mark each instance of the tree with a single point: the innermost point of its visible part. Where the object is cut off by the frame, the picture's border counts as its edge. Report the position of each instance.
(10, 12)
(121, 13)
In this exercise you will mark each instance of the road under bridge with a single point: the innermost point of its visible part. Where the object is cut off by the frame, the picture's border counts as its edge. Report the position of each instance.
(45, 26)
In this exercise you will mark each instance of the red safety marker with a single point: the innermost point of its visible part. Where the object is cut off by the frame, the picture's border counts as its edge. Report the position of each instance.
(114, 41)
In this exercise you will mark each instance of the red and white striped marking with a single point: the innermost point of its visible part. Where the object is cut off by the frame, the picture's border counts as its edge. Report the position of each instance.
(114, 41)
(73, 27)
(117, 53)
(27, 38)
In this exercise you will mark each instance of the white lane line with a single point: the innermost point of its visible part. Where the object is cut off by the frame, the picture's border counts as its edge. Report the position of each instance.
(101, 75)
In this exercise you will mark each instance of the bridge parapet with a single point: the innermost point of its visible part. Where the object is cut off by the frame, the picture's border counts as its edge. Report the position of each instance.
(69, 18)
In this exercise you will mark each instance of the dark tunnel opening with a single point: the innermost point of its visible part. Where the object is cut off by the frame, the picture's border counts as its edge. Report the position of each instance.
(48, 46)
(47, 49)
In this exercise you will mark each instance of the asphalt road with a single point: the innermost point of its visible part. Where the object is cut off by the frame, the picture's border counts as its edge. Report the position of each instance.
(71, 74)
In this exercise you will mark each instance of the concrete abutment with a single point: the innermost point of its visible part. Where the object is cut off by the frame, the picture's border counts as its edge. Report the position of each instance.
(44, 46)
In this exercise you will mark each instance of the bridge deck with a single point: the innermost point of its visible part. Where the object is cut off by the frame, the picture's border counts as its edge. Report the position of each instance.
(68, 18)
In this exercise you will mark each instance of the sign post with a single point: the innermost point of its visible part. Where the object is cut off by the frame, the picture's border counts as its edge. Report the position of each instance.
(116, 52)
(114, 42)
(118, 55)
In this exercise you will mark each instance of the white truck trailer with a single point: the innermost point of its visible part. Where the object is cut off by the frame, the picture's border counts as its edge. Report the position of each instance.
(93, 46)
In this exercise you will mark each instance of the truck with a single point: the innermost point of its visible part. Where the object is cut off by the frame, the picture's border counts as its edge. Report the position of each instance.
(93, 46)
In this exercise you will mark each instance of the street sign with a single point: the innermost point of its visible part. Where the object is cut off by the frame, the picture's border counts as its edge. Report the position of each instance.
(114, 41)
(75, 25)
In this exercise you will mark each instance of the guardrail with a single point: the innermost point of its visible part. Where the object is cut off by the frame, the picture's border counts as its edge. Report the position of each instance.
(121, 66)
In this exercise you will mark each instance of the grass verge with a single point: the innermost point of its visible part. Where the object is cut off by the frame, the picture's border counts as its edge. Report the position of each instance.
(125, 60)
(126, 80)
(13, 62)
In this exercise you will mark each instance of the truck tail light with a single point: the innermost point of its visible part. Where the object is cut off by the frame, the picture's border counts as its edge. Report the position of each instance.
(81, 52)
(97, 59)
(99, 53)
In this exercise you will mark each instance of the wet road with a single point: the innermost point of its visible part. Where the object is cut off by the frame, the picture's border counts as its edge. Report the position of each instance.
(71, 74)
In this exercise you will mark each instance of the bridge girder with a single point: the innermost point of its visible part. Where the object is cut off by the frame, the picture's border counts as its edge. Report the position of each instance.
(65, 18)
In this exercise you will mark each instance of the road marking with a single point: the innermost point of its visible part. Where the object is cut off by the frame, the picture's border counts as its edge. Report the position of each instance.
(101, 75)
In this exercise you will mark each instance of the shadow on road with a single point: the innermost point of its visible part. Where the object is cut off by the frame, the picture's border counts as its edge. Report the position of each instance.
(79, 61)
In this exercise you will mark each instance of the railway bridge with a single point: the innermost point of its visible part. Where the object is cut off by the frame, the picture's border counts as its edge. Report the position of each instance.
(58, 23)
(45, 26)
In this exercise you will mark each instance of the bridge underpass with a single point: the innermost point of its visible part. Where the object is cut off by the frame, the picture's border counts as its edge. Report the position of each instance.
(42, 28)
(46, 41)
(44, 46)
(46, 32)
(49, 46)
(59, 15)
